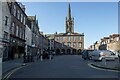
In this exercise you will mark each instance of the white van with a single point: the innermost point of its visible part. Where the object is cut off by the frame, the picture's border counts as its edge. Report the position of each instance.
(103, 54)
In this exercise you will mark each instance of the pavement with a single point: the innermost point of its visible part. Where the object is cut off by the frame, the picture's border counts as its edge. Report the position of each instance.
(7, 66)
(111, 65)
(11, 64)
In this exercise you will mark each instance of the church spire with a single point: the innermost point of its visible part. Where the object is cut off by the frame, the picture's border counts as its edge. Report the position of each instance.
(69, 22)
(69, 12)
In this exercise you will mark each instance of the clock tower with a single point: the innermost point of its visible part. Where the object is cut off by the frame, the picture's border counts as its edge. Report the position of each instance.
(69, 22)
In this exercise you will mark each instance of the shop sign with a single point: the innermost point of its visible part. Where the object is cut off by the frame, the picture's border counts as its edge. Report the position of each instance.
(33, 45)
(4, 44)
(1, 43)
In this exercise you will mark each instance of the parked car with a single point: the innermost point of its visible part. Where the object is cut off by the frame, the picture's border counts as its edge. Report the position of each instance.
(86, 54)
(45, 55)
(103, 55)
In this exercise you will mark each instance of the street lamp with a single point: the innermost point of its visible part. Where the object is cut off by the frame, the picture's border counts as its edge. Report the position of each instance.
(25, 54)
(1, 57)
(50, 49)
(41, 56)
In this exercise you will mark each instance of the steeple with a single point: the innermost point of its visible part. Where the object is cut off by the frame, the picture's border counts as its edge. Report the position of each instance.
(69, 12)
(69, 22)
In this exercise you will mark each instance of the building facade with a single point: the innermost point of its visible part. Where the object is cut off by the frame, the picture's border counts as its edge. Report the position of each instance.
(5, 30)
(114, 43)
(28, 38)
(69, 42)
(19, 33)
(17, 29)
(111, 43)
(35, 34)
(1, 46)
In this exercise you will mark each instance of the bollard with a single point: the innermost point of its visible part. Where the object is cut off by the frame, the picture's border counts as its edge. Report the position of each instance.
(41, 58)
(104, 61)
(50, 56)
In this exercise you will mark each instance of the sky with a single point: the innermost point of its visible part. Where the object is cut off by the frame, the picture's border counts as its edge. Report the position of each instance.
(95, 19)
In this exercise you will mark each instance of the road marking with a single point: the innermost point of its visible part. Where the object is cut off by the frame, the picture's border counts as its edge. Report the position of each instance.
(89, 64)
(11, 72)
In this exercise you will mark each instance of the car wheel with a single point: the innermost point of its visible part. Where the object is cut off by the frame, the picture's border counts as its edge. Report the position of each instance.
(94, 60)
(84, 58)
(103, 60)
(90, 58)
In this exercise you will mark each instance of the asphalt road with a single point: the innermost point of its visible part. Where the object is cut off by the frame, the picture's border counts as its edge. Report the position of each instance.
(65, 66)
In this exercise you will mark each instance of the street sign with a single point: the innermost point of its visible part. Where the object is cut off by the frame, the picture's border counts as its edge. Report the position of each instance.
(33, 45)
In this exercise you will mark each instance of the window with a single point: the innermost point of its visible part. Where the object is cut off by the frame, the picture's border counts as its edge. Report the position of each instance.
(24, 21)
(57, 38)
(69, 44)
(18, 14)
(68, 38)
(16, 30)
(117, 39)
(6, 20)
(12, 28)
(108, 41)
(79, 45)
(5, 35)
(20, 33)
(62, 38)
(63, 44)
(74, 44)
(79, 38)
(14, 10)
(21, 17)
(23, 34)
(74, 38)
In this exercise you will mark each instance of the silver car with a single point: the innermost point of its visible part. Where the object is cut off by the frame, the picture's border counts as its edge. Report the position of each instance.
(103, 54)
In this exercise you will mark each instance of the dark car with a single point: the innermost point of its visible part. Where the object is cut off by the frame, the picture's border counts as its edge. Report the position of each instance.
(86, 54)
(45, 55)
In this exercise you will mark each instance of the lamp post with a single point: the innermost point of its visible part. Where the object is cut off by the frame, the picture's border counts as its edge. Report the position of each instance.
(25, 54)
(1, 57)
(41, 55)
(50, 49)
(32, 57)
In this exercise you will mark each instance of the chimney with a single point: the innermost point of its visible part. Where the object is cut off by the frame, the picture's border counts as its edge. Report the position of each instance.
(41, 33)
(23, 8)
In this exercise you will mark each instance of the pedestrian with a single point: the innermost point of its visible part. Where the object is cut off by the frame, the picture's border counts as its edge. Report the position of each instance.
(24, 57)
(28, 58)
(32, 58)
(119, 57)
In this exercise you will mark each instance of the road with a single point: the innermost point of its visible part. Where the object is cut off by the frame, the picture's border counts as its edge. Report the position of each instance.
(65, 66)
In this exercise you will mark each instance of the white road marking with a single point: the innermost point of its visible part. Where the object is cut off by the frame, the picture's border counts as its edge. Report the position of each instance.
(89, 64)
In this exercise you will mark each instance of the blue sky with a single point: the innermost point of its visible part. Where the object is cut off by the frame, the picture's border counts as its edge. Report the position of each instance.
(95, 19)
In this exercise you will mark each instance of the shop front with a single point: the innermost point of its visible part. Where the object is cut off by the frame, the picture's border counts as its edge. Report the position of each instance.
(17, 48)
